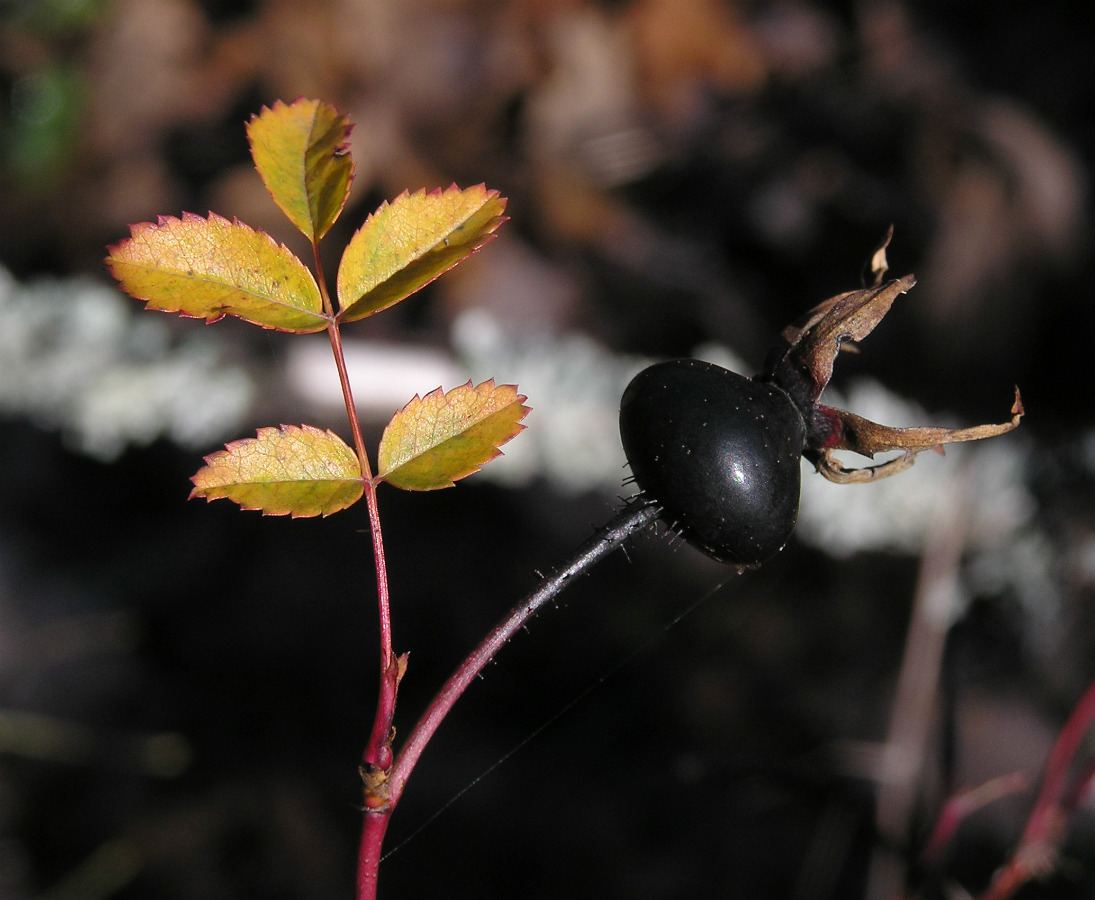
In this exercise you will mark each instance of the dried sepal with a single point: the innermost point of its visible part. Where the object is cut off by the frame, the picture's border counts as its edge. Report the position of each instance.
(804, 365)
(851, 432)
(802, 360)
(835, 471)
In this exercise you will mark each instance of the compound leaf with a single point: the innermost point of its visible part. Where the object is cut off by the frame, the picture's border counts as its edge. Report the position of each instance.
(297, 471)
(405, 245)
(209, 268)
(300, 151)
(441, 438)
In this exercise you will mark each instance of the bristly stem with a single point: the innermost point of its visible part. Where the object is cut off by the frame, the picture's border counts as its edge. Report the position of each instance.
(388, 785)
(631, 519)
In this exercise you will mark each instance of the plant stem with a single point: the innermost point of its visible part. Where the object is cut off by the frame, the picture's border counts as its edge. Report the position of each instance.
(377, 756)
(378, 752)
(1037, 853)
(368, 860)
(632, 518)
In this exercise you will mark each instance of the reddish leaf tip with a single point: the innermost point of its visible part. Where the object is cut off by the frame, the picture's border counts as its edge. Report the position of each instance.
(1017, 407)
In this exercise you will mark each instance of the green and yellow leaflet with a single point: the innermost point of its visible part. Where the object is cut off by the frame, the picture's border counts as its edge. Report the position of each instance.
(440, 438)
(406, 244)
(210, 268)
(301, 153)
(291, 470)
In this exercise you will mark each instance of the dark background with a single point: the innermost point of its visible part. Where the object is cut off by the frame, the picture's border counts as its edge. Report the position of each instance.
(185, 689)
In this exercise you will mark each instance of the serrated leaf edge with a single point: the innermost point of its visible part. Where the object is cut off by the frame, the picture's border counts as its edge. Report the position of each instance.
(342, 148)
(346, 312)
(189, 217)
(259, 432)
(519, 399)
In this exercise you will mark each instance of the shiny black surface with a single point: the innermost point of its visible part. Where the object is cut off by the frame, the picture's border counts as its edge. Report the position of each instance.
(719, 453)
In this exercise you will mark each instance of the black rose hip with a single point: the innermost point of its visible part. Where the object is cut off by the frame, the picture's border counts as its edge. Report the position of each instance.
(719, 453)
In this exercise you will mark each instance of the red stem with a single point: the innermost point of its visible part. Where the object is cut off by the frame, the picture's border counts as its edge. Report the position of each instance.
(961, 805)
(368, 860)
(1045, 829)
(619, 528)
(389, 785)
(378, 752)
(377, 756)
(1060, 759)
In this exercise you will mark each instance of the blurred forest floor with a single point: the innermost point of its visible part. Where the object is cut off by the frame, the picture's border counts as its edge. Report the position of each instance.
(185, 689)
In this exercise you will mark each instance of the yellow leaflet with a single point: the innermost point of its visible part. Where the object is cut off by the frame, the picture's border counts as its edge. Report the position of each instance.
(209, 268)
(405, 245)
(291, 470)
(300, 151)
(440, 438)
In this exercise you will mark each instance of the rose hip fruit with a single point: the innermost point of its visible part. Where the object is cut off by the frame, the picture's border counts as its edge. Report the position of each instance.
(719, 453)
